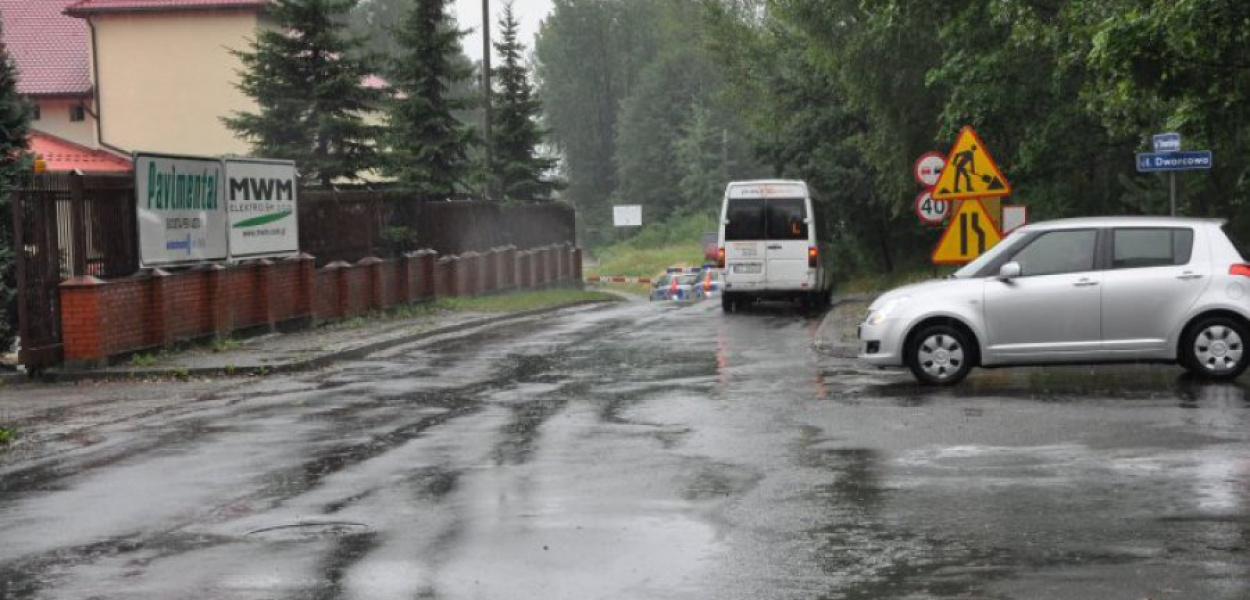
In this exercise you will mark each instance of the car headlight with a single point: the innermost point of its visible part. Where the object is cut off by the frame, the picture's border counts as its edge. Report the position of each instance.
(882, 313)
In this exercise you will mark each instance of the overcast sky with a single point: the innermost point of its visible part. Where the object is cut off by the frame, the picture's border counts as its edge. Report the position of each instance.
(528, 13)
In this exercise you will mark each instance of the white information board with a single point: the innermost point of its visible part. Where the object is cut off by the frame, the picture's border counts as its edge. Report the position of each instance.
(263, 208)
(181, 209)
(627, 215)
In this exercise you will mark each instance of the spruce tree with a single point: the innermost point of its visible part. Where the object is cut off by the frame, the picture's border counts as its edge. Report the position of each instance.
(429, 146)
(519, 174)
(14, 119)
(308, 86)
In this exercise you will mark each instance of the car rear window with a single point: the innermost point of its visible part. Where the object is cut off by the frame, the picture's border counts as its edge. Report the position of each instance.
(746, 219)
(787, 219)
(1156, 247)
(1241, 248)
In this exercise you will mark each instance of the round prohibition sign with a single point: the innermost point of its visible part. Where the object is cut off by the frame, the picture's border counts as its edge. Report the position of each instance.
(930, 211)
(929, 168)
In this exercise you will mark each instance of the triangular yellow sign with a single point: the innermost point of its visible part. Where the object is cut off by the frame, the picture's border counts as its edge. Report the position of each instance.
(970, 233)
(970, 172)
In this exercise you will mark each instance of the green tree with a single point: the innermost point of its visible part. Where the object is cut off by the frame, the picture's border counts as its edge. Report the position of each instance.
(14, 118)
(429, 145)
(519, 173)
(589, 54)
(307, 83)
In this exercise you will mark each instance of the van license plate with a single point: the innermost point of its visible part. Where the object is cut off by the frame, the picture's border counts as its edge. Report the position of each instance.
(747, 269)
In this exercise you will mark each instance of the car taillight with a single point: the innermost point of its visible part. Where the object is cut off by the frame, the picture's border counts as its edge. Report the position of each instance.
(720, 258)
(1242, 270)
(812, 255)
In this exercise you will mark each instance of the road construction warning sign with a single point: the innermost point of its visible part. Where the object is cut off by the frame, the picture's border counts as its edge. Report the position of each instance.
(970, 172)
(970, 233)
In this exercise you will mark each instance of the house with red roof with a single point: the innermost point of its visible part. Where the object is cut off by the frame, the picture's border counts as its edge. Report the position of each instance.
(112, 77)
(52, 54)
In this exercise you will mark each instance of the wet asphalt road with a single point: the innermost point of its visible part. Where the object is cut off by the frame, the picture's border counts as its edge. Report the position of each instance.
(642, 451)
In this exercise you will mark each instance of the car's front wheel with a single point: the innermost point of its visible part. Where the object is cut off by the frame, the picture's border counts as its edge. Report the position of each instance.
(1215, 348)
(940, 355)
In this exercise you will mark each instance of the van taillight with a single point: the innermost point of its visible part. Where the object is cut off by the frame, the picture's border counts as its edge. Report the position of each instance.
(720, 258)
(1243, 270)
(812, 255)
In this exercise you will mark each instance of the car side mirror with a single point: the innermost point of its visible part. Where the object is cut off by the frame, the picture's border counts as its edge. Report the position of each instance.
(1009, 271)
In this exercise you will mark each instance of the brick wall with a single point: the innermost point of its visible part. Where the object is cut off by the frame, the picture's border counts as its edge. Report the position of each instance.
(102, 319)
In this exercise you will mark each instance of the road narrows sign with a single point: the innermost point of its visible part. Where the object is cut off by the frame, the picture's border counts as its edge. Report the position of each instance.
(970, 172)
(930, 211)
(928, 168)
(970, 233)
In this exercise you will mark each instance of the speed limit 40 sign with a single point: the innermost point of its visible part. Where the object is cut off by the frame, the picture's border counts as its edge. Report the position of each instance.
(930, 211)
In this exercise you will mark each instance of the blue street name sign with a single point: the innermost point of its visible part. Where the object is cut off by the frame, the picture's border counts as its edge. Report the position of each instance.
(1167, 142)
(1149, 162)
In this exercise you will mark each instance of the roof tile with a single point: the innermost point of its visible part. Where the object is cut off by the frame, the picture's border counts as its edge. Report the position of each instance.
(51, 50)
(64, 155)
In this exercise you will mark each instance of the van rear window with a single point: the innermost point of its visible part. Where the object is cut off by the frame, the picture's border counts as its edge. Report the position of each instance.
(787, 219)
(746, 219)
(772, 219)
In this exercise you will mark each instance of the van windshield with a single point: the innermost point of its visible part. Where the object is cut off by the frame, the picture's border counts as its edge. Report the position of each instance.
(761, 219)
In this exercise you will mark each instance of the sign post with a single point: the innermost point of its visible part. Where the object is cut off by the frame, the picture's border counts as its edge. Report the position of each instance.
(1167, 157)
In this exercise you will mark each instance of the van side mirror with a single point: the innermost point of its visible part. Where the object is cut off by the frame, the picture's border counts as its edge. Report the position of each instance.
(1009, 271)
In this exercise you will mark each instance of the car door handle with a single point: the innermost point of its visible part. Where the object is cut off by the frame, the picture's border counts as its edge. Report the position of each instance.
(1189, 276)
(774, 247)
(1085, 283)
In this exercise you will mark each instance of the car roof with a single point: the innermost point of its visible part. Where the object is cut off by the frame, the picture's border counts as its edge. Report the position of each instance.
(1137, 221)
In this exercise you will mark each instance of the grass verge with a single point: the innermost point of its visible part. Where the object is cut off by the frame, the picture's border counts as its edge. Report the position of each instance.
(880, 282)
(7, 435)
(522, 301)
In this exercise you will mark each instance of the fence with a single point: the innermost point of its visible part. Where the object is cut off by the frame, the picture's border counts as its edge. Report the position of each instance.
(68, 225)
(349, 226)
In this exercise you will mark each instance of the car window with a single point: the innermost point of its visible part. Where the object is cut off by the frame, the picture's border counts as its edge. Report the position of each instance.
(746, 219)
(687, 279)
(1057, 252)
(662, 281)
(787, 219)
(1157, 247)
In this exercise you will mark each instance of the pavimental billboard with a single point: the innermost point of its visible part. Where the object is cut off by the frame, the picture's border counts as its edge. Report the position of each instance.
(181, 209)
(262, 205)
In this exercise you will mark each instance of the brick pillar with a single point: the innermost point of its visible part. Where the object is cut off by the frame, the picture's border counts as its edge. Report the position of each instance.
(509, 268)
(480, 273)
(307, 280)
(158, 329)
(405, 277)
(492, 271)
(373, 274)
(518, 270)
(578, 273)
(266, 291)
(342, 286)
(219, 300)
(443, 277)
(562, 263)
(544, 266)
(81, 323)
(428, 266)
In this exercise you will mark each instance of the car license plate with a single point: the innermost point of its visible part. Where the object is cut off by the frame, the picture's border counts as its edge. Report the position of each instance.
(747, 269)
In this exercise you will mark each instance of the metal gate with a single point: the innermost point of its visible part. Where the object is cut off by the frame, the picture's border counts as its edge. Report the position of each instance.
(66, 225)
(39, 267)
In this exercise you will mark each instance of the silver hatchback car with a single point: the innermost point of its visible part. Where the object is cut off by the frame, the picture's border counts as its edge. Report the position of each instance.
(1109, 289)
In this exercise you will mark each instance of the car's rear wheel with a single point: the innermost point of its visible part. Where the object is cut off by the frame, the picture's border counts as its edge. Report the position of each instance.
(1215, 348)
(940, 355)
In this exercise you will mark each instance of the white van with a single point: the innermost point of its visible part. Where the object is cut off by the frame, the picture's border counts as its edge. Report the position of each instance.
(768, 245)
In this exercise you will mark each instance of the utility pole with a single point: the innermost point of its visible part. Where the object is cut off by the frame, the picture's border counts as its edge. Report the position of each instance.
(486, 96)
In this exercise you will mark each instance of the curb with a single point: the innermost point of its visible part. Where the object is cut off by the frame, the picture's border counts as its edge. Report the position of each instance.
(836, 349)
(302, 365)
